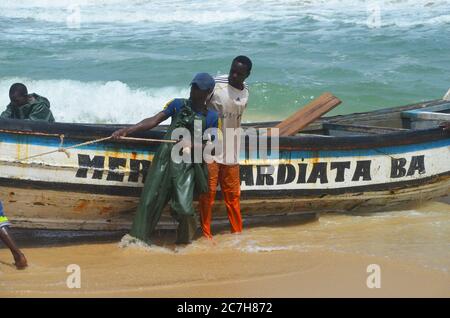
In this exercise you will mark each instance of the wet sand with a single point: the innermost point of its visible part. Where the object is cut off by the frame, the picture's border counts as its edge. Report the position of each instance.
(109, 271)
(325, 258)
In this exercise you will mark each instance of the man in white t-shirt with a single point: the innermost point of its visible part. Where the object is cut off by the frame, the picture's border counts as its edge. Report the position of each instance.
(229, 100)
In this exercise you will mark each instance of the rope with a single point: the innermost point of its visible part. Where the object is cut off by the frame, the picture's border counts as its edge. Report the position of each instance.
(60, 148)
(170, 141)
(23, 132)
(382, 152)
(65, 149)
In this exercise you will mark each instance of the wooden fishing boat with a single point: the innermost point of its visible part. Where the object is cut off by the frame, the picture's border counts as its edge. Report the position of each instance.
(374, 161)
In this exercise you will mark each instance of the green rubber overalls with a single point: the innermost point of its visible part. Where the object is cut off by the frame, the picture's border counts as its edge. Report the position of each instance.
(175, 182)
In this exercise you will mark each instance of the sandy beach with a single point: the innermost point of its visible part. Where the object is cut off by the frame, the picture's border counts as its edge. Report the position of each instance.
(329, 258)
(276, 274)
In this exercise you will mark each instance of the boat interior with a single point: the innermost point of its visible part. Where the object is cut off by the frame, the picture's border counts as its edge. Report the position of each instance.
(420, 116)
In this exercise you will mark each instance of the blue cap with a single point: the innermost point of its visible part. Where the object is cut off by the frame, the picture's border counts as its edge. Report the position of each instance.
(204, 81)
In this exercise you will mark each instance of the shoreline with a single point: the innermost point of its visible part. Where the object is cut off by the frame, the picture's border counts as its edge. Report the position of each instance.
(294, 260)
(237, 274)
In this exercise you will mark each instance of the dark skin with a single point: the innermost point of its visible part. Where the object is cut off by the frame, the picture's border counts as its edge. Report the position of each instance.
(198, 98)
(238, 73)
(18, 100)
(19, 258)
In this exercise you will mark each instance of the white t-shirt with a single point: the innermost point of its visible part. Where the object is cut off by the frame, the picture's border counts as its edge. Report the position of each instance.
(230, 103)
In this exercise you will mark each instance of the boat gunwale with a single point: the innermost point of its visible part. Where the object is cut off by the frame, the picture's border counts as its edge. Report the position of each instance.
(83, 132)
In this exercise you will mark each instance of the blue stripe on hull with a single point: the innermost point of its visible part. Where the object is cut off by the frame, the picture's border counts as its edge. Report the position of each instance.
(370, 152)
(145, 150)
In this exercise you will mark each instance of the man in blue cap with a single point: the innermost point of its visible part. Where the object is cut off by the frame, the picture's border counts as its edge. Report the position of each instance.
(202, 87)
(168, 180)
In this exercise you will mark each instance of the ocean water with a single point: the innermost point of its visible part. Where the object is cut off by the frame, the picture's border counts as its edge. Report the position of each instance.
(110, 61)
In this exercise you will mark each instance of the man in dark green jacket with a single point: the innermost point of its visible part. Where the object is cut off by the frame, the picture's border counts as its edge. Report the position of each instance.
(27, 106)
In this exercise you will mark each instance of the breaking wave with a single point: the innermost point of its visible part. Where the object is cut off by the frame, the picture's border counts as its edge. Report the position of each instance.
(404, 13)
(96, 102)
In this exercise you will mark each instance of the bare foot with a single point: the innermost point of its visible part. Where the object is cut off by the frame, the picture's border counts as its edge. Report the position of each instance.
(210, 240)
(20, 261)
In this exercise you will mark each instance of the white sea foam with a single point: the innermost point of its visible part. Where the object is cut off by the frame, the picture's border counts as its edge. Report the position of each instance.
(116, 11)
(406, 13)
(129, 241)
(265, 249)
(96, 102)
(113, 12)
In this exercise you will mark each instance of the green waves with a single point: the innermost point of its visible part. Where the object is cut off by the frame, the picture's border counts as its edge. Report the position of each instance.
(299, 49)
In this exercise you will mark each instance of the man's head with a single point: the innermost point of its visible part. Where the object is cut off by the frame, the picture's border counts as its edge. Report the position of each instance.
(18, 94)
(201, 88)
(239, 71)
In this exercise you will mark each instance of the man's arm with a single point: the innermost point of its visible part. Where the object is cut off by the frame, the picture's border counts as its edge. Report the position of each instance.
(7, 113)
(41, 112)
(143, 125)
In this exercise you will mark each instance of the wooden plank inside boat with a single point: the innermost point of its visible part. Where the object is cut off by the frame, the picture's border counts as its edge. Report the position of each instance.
(303, 117)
